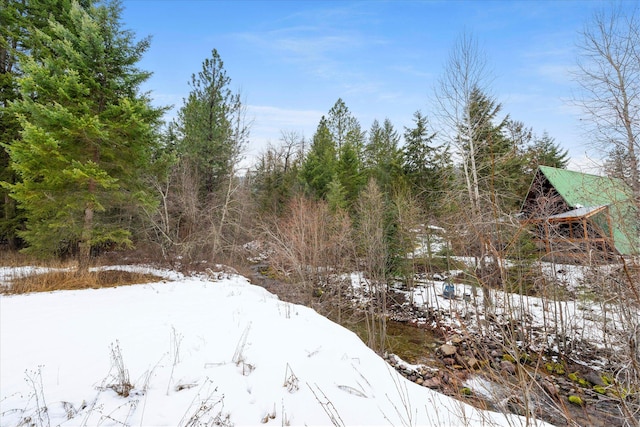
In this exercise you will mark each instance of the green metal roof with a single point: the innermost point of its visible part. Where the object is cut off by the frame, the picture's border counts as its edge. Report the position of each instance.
(586, 190)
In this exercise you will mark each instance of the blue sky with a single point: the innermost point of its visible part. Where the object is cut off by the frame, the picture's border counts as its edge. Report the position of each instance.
(292, 60)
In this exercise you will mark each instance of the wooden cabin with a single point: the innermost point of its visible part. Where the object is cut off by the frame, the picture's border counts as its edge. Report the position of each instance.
(581, 217)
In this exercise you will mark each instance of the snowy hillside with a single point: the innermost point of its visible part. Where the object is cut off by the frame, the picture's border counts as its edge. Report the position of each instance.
(199, 352)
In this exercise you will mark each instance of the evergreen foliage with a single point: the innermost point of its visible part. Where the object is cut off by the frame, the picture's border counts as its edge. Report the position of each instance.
(200, 209)
(498, 163)
(86, 133)
(427, 165)
(336, 196)
(349, 171)
(343, 126)
(79, 140)
(210, 129)
(348, 139)
(546, 152)
(383, 157)
(619, 164)
(320, 163)
(274, 179)
(336, 153)
(11, 28)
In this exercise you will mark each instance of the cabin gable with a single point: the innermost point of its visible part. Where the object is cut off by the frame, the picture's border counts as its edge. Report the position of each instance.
(575, 215)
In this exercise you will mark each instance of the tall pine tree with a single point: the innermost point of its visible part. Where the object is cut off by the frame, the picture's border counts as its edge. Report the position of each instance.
(87, 132)
(496, 159)
(12, 26)
(211, 127)
(383, 158)
(348, 138)
(208, 136)
(319, 166)
(427, 165)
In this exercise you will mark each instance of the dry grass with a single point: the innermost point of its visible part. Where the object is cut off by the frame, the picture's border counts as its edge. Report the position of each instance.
(26, 274)
(15, 258)
(72, 279)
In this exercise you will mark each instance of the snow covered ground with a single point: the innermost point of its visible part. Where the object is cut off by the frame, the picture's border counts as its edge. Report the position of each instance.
(601, 324)
(200, 352)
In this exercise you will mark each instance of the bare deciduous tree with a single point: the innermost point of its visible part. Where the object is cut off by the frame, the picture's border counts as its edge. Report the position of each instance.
(609, 78)
(309, 245)
(466, 74)
(374, 253)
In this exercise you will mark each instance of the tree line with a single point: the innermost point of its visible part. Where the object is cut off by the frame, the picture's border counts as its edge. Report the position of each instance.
(88, 165)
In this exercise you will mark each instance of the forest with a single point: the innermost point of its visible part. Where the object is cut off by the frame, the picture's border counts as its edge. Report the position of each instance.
(93, 173)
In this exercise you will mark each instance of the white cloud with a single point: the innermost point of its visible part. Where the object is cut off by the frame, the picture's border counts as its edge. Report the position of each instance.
(586, 164)
(268, 123)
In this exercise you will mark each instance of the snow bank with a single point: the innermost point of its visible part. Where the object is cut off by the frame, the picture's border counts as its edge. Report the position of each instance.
(199, 352)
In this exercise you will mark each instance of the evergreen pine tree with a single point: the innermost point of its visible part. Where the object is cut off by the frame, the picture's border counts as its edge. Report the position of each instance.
(498, 163)
(210, 127)
(426, 165)
(12, 24)
(336, 196)
(618, 164)
(348, 140)
(343, 126)
(531, 152)
(319, 166)
(383, 158)
(349, 171)
(546, 152)
(275, 177)
(86, 133)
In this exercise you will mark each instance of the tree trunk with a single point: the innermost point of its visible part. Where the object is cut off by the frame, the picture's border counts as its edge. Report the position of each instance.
(84, 246)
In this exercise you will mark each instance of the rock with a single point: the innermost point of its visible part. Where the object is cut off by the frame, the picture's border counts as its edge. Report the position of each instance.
(473, 363)
(456, 339)
(432, 382)
(564, 384)
(449, 361)
(448, 350)
(550, 388)
(591, 393)
(508, 367)
(445, 378)
(594, 378)
(420, 381)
